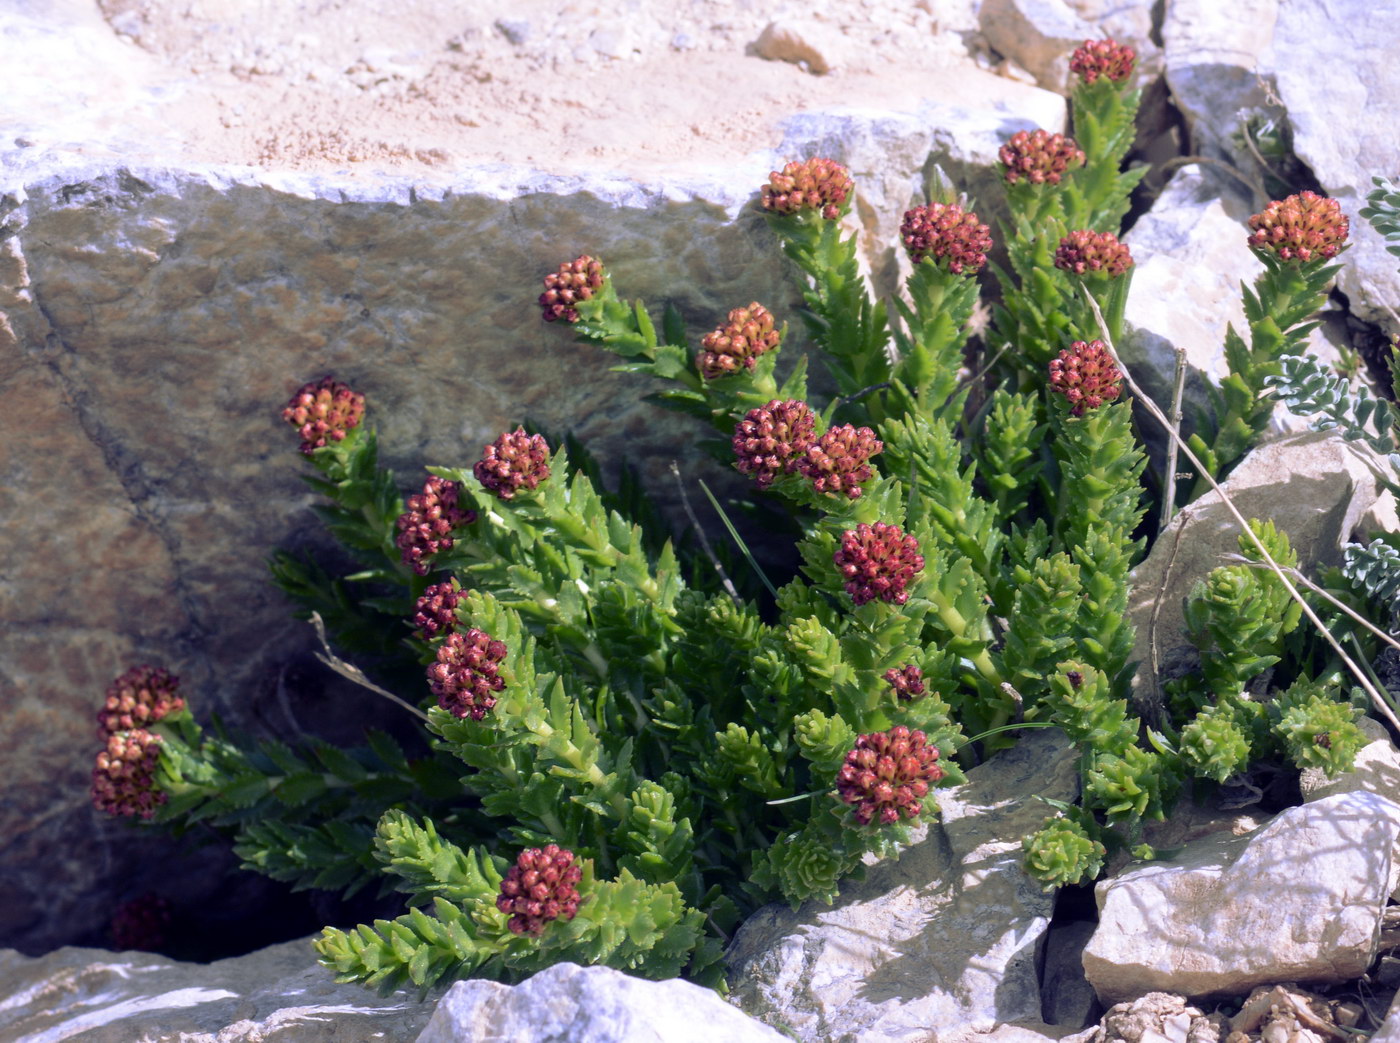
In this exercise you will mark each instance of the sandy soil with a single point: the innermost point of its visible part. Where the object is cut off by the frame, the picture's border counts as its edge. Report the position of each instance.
(306, 84)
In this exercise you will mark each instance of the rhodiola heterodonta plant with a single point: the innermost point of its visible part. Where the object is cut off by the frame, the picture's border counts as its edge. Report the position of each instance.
(626, 756)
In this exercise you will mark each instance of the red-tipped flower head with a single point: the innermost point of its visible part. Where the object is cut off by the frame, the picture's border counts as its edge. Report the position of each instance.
(425, 527)
(773, 439)
(956, 240)
(1039, 158)
(436, 611)
(576, 280)
(141, 696)
(907, 682)
(124, 777)
(1300, 228)
(1093, 253)
(141, 924)
(324, 411)
(737, 344)
(541, 886)
(812, 186)
(1106, 58)
(1086, 375)
(878, 561)
(466, 675)
(514, 461)
(888, 774)
(840, 460)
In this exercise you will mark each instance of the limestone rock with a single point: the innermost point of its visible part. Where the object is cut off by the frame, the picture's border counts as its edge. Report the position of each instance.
(807, 43)
(278, 994)
(1066, 997)
(1317, 487)
(1299, 900)
(597, 1004)
(1157, 1017)
(943, 940)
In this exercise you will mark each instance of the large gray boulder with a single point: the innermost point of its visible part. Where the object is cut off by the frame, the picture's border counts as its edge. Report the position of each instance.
(944, 940)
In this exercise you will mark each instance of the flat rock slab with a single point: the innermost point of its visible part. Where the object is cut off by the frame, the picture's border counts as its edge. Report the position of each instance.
(1299, 900)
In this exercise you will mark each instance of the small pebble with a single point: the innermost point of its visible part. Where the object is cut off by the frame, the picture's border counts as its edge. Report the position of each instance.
(517, 32)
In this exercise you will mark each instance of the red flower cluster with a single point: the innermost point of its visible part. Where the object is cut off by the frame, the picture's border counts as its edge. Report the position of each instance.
(541, 886)
(840, 460)
(1086, 375)
(425, 527)
(888, 774)
(812, 186)
(466, 675)
(436, 611)
(141, 924)
(907, 682)
(1038, 157)
(141, 696)
(324, 411)
(576, 280)
(1093, 253)
(748, 334)
(124, 778)
(514, 461)
(952, 236)
(1302, 227)
(1106, 58)
(878, 561)
(773, 439)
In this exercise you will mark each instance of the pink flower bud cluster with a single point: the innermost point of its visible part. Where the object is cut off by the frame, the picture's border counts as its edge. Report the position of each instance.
(840, 460)
(1039, 158)
(737, 344)
(1093, 253)
(1107, 58)
(951, 236)
(124, 778)
(812, 186)
(576, 280)
(540, 887)
(1086, 375)
(466, 675)
(324, 411)
(436, 611)
(907, 682)
(1302, 227)
(141, 696)
(878, 561)
(772, 439)
(514, 461)
(888, 774)
(140, 924)
(426, 525)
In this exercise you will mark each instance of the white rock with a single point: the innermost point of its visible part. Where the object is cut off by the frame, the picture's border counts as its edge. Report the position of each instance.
(942, 941)
(596, 1004)
(276, 994)
(1299, 900)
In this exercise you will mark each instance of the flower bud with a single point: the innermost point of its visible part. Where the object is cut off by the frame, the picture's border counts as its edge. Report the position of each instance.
(1038, 157)
(1087, 376)
(951, 236)
(1093, 253)
(466, 675)
(737, 344)
(1107, 58)
(1300, 228)
(324, 411)
(773, 439)
(141, 696)
(840, 460)
(878, 561)
(540, 887)
(141, 923)
(812, 186)
(514, 461)
(907, 682)
(576, 280)
(426, 525)
(436, 611)
(888, 774)
(124, 777)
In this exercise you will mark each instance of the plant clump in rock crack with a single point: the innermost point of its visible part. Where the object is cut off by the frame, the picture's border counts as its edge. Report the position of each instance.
(630, 751)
